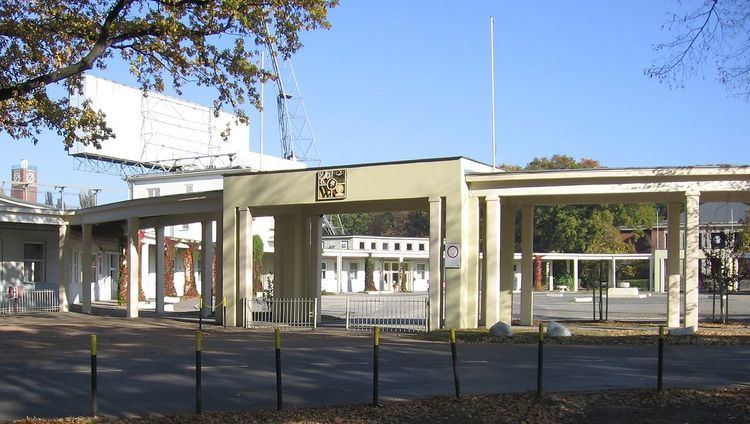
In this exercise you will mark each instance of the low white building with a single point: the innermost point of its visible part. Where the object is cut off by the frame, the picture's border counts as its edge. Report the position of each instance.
(343, 263)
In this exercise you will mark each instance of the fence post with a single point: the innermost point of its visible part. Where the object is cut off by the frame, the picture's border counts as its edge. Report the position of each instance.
(347, 313)
(198, 348)
(454, 354)
(540, 363)
(375, 359)
(315, 314)
(94, 401)
(660, 367)
(277, 342)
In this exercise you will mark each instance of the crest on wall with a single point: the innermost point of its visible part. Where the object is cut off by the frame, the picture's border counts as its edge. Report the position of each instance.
(331, 185)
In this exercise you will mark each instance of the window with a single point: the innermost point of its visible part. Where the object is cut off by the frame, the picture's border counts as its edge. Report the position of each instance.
(353, 268)
(361, 245)
(421, 247)
(323, 267)
(408, 246)
(153, 192)
(33, 262)
(385, 246)
(344, 245)
(373, 245)
(396, 246)
(421, 268)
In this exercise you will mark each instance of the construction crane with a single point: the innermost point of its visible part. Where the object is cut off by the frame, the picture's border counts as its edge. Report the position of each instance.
(297, 138)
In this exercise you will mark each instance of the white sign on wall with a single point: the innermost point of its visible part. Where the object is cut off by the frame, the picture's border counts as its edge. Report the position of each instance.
(453, 255)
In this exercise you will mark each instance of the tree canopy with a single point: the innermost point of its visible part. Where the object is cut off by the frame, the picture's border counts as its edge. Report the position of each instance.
(713, 33)
(177, 43)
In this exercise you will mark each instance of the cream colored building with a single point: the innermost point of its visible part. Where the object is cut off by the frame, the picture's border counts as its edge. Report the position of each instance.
(471, 260)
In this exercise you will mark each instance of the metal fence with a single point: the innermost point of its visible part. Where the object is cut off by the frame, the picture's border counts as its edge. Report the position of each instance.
(30, 301)
(406, 314)
(281, 312)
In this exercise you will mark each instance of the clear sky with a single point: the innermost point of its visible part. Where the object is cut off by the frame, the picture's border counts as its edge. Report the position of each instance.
(395, 80)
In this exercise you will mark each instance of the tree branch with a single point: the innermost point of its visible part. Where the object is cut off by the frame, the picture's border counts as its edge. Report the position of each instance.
(86, 63)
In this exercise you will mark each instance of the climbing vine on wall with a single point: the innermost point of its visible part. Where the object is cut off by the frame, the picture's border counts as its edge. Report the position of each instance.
(188, 256)
(122, 292)
(170, 250)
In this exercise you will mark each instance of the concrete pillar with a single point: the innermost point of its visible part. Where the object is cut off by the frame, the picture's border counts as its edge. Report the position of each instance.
(550, 275)
(86, 264)
(575, 275)
(436, 258)
(673, 264)
(692, 223)
(316, 248)
(245, 262)
(278, 254)
(159, 268)
(527, 265)
(507, 249)
(339, 273)
(612, 275)
(133, 260)
(219, 271)
(231, 262)
(63, 255)
(301, 246)
(207, 235)
(492, 262)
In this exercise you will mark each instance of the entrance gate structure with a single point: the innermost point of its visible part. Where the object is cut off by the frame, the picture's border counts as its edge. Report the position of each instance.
(457, 192)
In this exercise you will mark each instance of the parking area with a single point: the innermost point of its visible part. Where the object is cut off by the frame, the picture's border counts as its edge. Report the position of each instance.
(146, 366)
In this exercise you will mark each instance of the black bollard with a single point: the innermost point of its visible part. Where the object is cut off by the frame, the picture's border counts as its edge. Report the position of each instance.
(456, 382)
(198, 397)
(94, 400)
(660, 367)
(375, 352)
(540, 362)
(279, 396)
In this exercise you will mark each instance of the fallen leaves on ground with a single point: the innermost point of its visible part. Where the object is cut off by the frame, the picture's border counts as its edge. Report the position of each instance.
(629, 406)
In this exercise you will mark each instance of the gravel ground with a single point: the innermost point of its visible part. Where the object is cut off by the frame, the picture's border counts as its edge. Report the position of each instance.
(726, 405)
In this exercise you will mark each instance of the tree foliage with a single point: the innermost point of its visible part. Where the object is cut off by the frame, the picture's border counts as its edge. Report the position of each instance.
(585, 228)
(163, 42)
(714, 33)
(395, 224)
(257, 263)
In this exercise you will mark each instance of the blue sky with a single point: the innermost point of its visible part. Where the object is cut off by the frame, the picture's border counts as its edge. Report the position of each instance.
(395, 80)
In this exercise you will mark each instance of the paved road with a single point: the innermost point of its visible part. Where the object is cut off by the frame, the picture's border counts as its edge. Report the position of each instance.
(557, 306)
(146, 367)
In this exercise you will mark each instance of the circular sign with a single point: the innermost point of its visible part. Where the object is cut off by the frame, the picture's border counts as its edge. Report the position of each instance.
(452, 252)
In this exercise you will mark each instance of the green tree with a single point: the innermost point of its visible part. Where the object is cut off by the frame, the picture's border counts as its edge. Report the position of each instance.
(163, 42)
(257, 263)
(585, 228)
(356, 223)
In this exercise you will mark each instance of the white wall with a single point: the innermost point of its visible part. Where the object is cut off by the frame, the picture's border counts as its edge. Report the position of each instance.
(12, 239)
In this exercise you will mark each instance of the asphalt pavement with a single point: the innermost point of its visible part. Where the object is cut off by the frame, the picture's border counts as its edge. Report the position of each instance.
(146, 366)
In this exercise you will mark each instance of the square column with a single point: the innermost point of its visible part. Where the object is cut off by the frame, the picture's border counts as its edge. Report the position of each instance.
(219, 271)
(245, 263)
(436, 259)
(86, 264)
(339, 272)
(492, 263)
(63, 255)
(133, 271)
(673, 264)
(507, 249)
(575, 275)
(314, 274)
(527, 265)
(692, 221)
(207, 236)
(613, 273)
(159, 268)
(230, 264)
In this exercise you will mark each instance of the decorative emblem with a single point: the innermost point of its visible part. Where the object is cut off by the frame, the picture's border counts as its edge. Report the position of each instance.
(331, 185)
